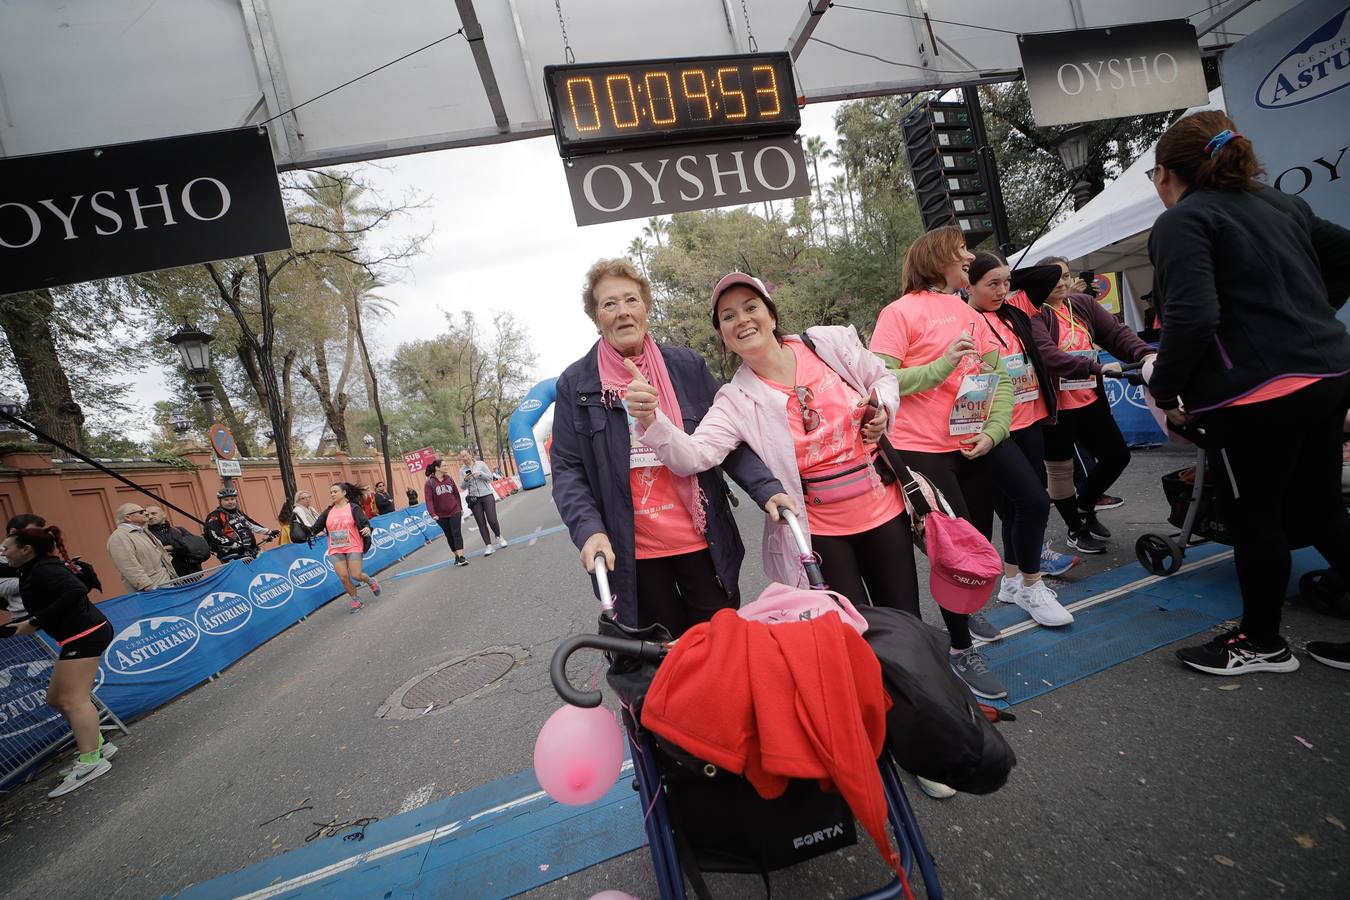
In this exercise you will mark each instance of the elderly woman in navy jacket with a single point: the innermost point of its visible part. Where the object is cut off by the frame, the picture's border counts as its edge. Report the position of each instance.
(670, 541)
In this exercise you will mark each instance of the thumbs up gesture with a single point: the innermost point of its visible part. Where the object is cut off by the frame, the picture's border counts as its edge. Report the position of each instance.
(641, 396)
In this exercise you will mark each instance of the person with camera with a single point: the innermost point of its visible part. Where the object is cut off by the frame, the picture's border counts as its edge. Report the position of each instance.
(231, 533)
(475, 479)
(1068, 329)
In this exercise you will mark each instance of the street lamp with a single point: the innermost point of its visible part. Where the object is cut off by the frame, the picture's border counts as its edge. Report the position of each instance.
(180, 424)
(369, 442)
(10, 407)
(1073, 145)
(194, 348)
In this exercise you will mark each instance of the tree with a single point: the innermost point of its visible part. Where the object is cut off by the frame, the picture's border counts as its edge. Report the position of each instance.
(512, 364)
(656, 229)
(815, 148)
(637, 252)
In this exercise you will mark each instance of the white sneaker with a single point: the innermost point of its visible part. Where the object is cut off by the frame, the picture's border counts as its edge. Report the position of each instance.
(488, 551)
(80, 775)
(108, 749)
(1008, 588)
(935, 789)
(501, 542)
(1043, 605)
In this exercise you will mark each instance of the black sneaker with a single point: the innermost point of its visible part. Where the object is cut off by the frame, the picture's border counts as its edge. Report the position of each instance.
(461, 561)
(1106, 501)
(1084, 542)
(1328, 654)
(1233, 653)
(982, 628)
(1092, 525)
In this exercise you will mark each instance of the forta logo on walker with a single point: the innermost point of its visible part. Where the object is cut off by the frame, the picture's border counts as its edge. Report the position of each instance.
(149, 644)
(223, 612)
(307, 573)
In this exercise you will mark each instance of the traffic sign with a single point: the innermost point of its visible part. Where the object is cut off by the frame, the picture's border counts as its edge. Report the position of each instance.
(222, 441)
(229, 468)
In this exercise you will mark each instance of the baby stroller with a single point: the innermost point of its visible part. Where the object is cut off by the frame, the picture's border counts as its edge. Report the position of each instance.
(699, 819)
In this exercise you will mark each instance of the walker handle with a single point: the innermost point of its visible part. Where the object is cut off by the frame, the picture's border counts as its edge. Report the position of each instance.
(813, 574)
(557, 670)
(602, 583)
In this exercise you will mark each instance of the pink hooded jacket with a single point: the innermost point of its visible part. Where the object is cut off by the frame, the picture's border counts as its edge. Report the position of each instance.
(747, 411)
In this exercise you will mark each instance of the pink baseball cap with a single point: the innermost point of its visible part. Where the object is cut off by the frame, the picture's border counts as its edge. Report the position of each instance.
(963, 565)
(732, 279)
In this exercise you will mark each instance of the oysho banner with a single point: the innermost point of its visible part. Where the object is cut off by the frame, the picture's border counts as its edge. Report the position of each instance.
(1110, 73)
(170, 640)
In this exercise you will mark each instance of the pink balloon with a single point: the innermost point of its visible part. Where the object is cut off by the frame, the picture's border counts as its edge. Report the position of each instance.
(578, 754)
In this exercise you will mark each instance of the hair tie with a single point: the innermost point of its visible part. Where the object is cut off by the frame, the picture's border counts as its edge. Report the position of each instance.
(1216, 143)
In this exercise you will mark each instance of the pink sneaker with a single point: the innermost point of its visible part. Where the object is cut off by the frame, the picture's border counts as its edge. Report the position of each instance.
(357, 604)
(374, 587)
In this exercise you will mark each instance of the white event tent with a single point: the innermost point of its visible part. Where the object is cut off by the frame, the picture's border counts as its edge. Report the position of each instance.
(1110, 233)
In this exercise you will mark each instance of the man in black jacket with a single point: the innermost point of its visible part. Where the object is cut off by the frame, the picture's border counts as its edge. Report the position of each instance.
(187, 550)
(383, 502)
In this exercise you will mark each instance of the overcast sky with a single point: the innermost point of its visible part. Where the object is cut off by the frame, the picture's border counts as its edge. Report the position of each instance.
(503, 237)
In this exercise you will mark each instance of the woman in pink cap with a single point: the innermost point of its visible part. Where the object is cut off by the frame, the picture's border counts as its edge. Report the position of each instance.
(812, 406)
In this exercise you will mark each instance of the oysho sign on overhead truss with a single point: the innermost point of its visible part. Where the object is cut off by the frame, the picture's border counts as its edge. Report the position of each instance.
(641, 183)
(1110, 73)
(126, 208)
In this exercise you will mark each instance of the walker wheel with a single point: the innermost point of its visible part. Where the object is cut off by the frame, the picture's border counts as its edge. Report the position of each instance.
(1158, 554)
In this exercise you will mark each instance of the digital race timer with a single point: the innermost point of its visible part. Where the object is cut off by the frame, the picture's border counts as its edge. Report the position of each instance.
(668, 101)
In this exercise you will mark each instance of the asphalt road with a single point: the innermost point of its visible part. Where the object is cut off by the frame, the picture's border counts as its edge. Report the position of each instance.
(1142, 781)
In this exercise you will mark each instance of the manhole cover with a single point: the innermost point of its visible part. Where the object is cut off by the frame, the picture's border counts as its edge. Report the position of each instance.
(457, 680)
(451, 682)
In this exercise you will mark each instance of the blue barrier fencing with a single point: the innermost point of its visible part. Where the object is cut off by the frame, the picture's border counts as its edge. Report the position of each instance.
(170, 640)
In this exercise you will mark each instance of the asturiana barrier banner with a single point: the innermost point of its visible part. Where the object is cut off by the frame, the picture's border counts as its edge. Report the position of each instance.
(170, 640)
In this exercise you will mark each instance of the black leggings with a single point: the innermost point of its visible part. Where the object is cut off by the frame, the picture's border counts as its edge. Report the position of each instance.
(453, 534)
(485, 514)
(968, 486)
(1096, 430)
(1285, 456)
(680, 591)
(874, 566)
(1023, 506)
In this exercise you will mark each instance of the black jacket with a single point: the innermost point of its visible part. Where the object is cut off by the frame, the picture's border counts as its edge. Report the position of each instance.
(590, 471)
(230, 533)
(1248, 285)
(1020, 324)
(187, 550)
(56, 599)
(383, 503)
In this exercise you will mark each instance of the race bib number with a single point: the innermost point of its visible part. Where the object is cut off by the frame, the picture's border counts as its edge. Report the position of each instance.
(339, 538)
(1080, 384)
(974, 399)
(1025, 386)
(640, 456)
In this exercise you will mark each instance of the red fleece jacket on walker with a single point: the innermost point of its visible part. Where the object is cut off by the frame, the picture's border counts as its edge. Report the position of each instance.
(776, 702)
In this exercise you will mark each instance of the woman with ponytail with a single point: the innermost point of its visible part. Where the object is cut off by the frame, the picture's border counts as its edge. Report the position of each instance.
(58, 605)
(1248, 281)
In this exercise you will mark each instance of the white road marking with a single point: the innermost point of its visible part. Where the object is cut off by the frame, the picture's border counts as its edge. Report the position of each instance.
(419, 797)
(412, 840)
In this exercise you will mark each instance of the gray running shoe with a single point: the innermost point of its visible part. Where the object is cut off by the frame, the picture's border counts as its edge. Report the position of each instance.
(972, 668)
(982, 628)
(109, 749)
(80, 775)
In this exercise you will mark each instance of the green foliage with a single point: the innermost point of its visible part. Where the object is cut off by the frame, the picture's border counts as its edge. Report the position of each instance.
(112, 445)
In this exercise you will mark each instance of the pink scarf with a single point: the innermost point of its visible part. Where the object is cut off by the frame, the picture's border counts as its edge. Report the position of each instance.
(614, 379)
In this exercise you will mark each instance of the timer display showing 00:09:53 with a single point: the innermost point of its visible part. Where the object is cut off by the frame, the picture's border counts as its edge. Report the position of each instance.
(661, 99)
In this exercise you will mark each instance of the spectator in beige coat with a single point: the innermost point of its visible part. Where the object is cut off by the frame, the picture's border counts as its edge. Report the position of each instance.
(142, 560)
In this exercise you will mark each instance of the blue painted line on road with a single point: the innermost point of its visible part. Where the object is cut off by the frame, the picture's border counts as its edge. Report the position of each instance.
(507, 836)
(473, 554)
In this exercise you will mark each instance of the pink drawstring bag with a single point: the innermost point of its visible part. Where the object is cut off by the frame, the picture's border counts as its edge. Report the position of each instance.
(780, 603)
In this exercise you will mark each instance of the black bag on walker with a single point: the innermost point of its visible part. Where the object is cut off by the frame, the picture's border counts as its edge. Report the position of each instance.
(935, 727)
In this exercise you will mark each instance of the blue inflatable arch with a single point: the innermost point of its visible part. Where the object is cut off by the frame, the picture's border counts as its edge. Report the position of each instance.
(521, 432)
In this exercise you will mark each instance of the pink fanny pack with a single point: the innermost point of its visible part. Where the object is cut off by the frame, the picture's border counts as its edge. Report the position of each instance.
(853, 479)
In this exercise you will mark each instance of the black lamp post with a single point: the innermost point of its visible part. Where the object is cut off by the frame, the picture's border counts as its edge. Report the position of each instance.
(194, 348)
(1073, 146)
